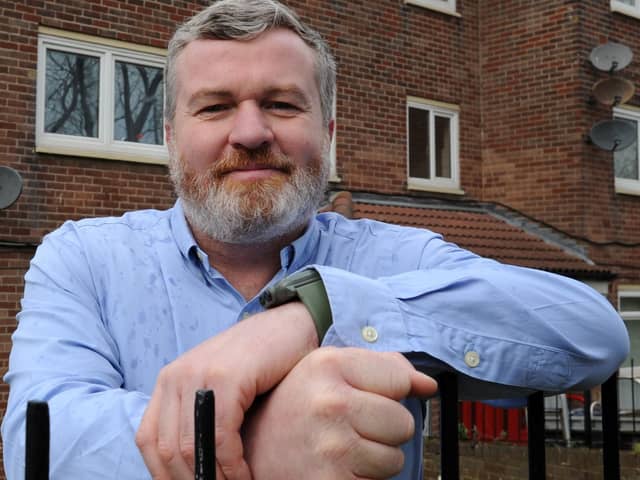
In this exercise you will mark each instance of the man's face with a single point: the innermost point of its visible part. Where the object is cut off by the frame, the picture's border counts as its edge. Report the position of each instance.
(248, 145)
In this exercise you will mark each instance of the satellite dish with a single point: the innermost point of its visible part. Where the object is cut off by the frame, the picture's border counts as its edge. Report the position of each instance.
(613, 91)
(10, 186)
(611, 57)
(613, 135)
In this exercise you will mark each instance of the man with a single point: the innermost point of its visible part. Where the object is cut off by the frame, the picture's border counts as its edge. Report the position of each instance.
(125, 318)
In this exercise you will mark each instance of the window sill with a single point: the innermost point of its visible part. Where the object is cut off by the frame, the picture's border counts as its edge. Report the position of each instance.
(626, 10)
(118, 156)
(434, 188)
(430, 6)
(628, 189)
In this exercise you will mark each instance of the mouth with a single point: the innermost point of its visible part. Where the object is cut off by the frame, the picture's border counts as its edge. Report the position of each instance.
(253, 172)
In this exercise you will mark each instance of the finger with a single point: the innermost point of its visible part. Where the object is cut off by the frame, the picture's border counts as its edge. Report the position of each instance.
(229, 449)
(374, 460)
(422, 385)
(168, 441)
(147, 439)
(380, 419)
(185, 424)
(385, 373)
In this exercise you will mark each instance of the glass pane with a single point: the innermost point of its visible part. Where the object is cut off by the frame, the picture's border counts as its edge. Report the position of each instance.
(71, 87)
(629, 304)
(633, 328)
(138, 104)
(628, 2)
(443, 147)
(626, 161)
(419, 143)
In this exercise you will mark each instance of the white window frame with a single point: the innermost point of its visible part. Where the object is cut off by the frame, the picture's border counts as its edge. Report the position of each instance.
(439, 184)
(631, 10)
(333, 168)
(108, 52)
(444, 6)
(626, 185)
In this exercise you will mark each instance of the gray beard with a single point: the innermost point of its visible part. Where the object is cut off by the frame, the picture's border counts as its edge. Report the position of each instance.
(221, 215)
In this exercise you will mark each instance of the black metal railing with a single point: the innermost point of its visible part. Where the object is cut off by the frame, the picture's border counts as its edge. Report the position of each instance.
(38, 435)
(536, 421)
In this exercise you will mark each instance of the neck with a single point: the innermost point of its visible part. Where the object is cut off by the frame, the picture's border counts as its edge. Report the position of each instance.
(247, 267)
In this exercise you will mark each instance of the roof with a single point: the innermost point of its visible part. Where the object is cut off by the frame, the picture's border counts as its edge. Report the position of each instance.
(476, 229)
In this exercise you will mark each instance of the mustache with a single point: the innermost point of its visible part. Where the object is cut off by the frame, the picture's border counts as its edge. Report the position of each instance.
(262, 157)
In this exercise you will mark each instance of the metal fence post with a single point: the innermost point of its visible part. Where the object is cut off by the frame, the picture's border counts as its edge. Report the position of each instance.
(537, 454)
(610, 429)
(37, 441)
(449, 452)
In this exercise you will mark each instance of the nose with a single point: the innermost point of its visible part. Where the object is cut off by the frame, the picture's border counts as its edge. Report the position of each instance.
(250, 129)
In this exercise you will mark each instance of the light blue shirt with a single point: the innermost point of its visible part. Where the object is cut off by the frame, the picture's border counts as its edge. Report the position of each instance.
(108, 302)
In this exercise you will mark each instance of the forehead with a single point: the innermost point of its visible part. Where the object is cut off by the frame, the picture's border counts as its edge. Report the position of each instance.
(275, 58)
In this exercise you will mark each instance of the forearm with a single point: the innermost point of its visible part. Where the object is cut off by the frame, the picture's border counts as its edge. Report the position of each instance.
(527, 329)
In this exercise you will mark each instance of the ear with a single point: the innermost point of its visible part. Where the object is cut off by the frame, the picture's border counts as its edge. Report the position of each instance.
(331, 129)
(168, 135)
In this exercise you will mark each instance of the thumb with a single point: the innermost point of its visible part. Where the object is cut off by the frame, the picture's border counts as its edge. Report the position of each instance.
(422, 385)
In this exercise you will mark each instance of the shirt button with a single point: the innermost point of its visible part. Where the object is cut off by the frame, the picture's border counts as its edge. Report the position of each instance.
(472, 359)
(370, 334)
(245, 315)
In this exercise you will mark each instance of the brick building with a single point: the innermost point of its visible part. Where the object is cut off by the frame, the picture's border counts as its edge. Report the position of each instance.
(470, 117)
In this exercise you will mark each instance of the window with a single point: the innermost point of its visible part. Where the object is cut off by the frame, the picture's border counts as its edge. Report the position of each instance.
(627, 162)
(629, 7)
(629, 308)
(432, 146)
(446, 6)
(99, 98)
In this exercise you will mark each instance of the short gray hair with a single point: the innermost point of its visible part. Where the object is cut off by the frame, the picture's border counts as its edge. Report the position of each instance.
(245, 20)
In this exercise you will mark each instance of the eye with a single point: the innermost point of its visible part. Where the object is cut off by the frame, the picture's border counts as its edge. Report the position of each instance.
(284, 106)
(215, 108)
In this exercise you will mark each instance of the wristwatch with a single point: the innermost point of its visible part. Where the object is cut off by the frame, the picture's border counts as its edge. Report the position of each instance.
(306, 286)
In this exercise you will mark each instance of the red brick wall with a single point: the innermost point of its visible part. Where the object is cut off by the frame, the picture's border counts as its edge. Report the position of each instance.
(536, 85)
(387, 51)
(503, 461)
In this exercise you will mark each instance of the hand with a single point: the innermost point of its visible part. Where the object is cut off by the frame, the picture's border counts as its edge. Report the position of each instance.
(238, 364)
(335, 416)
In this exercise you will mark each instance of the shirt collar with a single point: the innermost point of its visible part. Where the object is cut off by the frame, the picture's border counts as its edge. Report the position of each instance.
(181, 231)
(292, 257)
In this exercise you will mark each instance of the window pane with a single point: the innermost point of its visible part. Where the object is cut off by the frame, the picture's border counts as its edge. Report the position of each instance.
(138, 103)
(626, 161)
(72, 86)
(443, 147)
(627, 2)
(418, 143)
(630, 304)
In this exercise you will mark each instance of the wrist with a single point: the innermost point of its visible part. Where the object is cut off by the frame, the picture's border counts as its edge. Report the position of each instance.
(307, 287)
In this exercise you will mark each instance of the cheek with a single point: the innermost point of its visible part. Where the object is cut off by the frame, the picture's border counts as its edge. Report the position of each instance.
(305, 149)
(199, 149)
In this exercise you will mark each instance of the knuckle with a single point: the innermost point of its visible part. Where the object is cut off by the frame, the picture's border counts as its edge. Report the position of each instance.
(142, 438)
(325, 356)
(330, 406)
(186, 447)
(166, 452)
(335, 447)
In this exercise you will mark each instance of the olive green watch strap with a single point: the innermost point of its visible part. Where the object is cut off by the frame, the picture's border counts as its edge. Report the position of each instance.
(306, 286)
